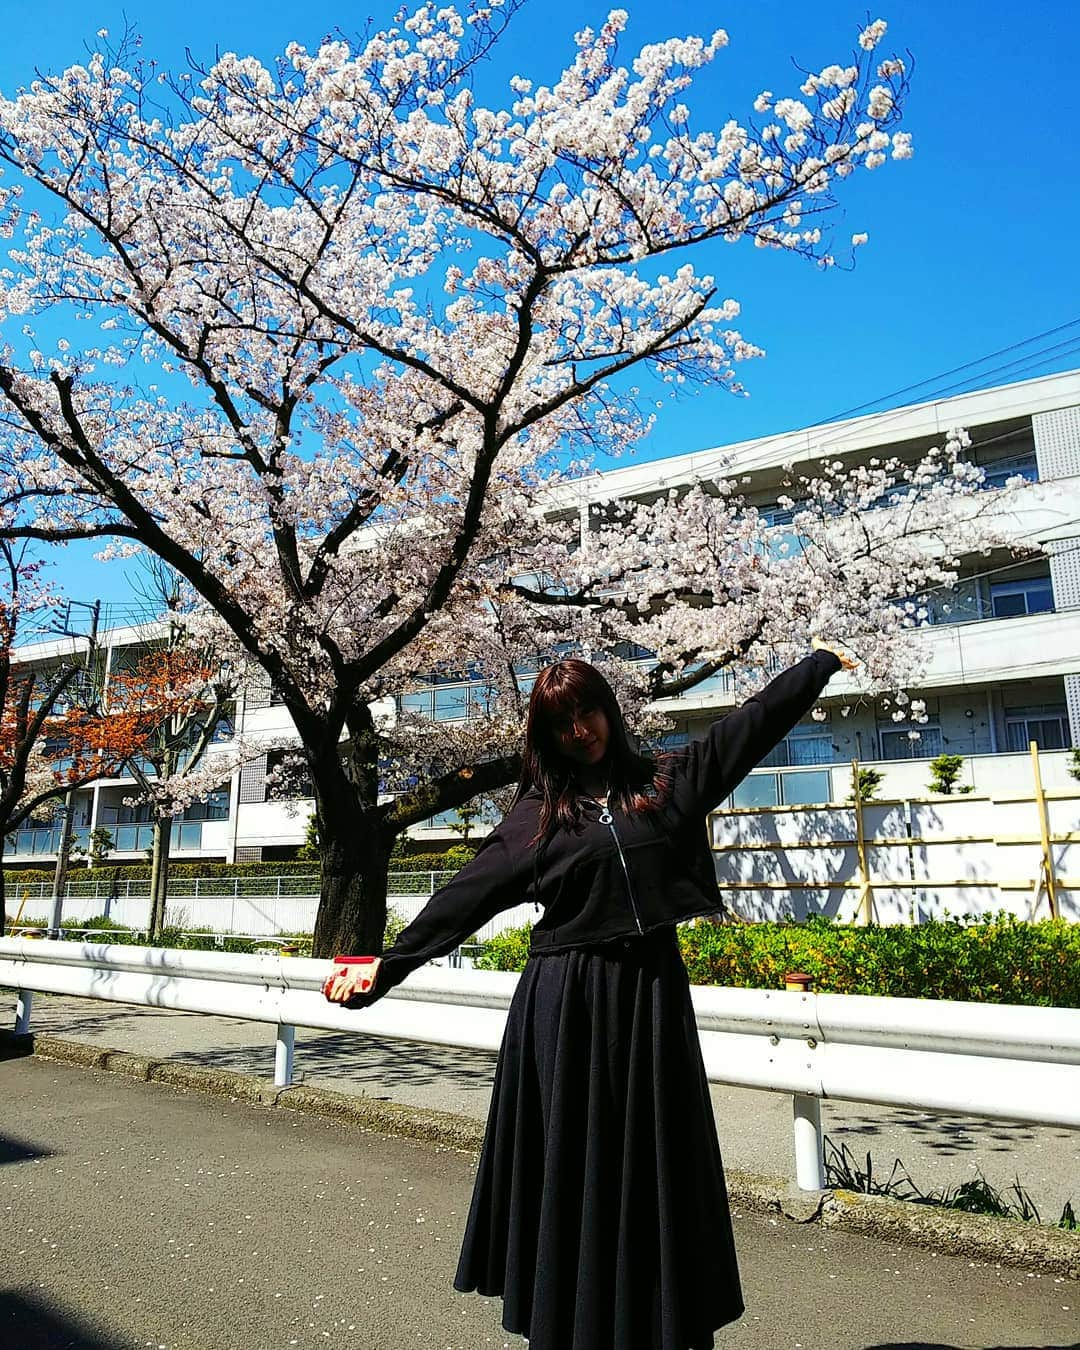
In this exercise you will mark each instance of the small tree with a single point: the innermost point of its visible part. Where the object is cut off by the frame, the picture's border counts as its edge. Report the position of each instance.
(1074, 764)
(944, 771)
(466, 818)
(179, 691)
(99, 845)
(866, 786)
(311, 850)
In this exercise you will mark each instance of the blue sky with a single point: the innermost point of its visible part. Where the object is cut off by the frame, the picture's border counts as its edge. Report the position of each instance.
(969, 246)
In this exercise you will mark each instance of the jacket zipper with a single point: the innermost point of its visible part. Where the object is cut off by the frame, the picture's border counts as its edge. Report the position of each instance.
(606, 818)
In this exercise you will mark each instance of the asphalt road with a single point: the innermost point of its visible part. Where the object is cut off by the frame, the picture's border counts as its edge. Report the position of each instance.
(755, 1127)
(135, 1215)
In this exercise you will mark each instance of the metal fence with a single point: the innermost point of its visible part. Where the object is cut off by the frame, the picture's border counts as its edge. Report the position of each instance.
(226, 888)
(256, 906)
(1006, 1063)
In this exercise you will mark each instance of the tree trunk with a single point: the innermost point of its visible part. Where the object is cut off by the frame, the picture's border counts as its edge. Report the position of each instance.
(159, 876)
(352, 905)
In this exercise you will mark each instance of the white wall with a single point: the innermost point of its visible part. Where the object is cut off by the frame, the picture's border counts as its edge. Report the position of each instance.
(970, 855)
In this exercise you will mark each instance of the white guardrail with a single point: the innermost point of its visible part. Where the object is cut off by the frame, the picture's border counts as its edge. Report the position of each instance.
(996, 1061)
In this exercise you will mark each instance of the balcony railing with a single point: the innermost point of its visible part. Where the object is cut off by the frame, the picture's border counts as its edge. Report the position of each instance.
(42, 840)
(126, 839)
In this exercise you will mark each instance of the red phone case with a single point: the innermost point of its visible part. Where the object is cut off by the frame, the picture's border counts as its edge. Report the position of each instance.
(367, 979)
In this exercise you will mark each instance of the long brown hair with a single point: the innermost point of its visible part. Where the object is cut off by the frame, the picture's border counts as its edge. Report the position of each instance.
(562, 690)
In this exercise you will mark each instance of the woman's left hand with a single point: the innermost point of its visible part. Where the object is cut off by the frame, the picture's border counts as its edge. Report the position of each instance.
(848, 662)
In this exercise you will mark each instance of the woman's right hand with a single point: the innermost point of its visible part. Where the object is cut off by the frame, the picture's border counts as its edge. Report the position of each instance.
(349, 982)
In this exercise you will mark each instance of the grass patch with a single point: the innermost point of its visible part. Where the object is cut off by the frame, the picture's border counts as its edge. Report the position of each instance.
(977, 1196)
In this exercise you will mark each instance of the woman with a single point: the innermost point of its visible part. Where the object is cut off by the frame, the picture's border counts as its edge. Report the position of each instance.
(599, 1212)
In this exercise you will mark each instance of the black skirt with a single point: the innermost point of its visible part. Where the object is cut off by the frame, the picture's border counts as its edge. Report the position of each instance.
(600, 1214)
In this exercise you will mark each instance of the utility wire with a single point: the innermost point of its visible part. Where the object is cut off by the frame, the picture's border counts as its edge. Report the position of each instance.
(764, 448)
(115, 612)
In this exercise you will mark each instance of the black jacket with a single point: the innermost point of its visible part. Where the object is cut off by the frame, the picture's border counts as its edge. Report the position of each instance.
(620, 874)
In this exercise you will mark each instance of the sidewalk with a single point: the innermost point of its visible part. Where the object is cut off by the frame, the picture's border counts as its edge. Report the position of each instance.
(755, 1127)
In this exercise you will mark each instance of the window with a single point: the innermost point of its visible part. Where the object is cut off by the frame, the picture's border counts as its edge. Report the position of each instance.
(757, 789)
(806, 789)
(487, 814)
(214, 806)
(793, 788)
(1046, 724)
(960, 603)
(297, 782)
(897, 744)
(999, 471)
(1031, 595)
(452, 702)
(808, 743)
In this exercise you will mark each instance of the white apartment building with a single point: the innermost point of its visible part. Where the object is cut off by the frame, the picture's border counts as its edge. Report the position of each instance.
(1003, 649)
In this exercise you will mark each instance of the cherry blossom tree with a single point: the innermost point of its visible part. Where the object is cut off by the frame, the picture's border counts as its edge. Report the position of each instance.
(339, 340)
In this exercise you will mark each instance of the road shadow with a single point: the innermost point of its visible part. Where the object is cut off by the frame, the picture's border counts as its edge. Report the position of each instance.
(14, 1150)
(30, 1325)
(15, 1047)
(376, 1064)
(370, 1062)
(940, 1345)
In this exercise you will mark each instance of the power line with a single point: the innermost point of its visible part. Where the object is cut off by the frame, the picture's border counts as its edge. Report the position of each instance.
(910, 388)
(140, 613)
(764, 448)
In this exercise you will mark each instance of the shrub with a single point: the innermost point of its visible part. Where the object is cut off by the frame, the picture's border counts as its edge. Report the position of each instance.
(508, 950)
(870, 781)
(999, 959)
(944, 772)
(457, 855)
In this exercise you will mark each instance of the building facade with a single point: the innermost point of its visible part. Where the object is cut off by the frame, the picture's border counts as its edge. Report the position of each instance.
(1003, 647)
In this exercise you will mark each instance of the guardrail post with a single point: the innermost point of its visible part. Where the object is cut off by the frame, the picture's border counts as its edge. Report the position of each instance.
(24, 1001)
(809, 1143)
(809, 1139)
(283, 1055)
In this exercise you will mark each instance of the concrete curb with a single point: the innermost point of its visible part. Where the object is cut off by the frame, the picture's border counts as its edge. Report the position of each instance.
(977, 1236)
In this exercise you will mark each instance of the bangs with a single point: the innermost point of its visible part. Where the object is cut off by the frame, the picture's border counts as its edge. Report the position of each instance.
(562, 689)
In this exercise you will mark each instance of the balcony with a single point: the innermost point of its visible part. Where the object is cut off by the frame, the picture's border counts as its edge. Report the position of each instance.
(1020, 648)
(41, 841)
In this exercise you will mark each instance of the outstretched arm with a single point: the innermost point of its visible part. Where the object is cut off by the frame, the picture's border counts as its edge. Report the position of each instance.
(736, 743)
(494, 880)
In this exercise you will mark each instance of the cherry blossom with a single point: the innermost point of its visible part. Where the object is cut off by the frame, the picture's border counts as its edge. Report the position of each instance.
(343, 346)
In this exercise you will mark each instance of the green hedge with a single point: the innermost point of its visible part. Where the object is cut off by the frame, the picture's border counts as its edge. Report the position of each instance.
(141, 871)
(449, 861)
(995, 960)
(201, 938)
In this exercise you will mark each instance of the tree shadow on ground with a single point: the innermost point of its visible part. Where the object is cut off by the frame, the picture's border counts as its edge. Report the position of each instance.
(27, 1323)
(947, 1135)
(373, 1063)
